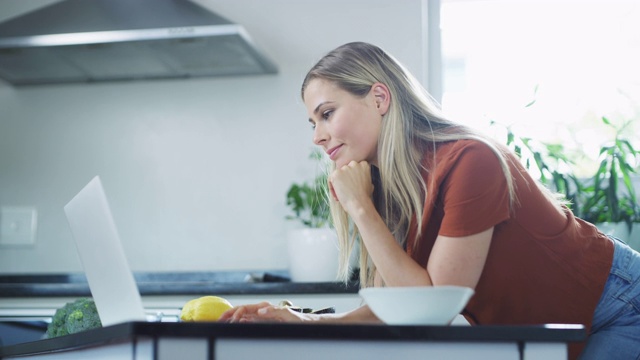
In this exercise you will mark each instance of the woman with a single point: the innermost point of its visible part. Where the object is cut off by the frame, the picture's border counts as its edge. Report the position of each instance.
(436, 203)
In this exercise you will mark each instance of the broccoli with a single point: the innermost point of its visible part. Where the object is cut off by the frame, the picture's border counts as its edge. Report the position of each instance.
(73, 317)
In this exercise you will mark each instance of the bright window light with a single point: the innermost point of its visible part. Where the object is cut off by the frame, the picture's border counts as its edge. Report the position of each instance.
(579, 61)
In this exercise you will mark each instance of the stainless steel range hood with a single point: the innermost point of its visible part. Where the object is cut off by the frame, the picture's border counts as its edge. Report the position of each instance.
(108, 40)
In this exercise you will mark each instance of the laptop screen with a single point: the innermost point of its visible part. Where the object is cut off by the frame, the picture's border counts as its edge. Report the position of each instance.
(110, 279)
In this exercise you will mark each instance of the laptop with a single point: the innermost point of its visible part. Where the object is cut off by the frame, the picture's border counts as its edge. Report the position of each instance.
(110, 279)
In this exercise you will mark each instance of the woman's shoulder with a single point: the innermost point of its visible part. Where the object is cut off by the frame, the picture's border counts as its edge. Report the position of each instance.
(453, 150)
(471, 156)
(468, 154)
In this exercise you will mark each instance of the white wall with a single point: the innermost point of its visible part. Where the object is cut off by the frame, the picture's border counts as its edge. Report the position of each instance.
(196, 171)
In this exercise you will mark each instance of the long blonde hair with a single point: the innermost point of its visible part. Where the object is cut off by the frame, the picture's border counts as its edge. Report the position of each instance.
(411, 128)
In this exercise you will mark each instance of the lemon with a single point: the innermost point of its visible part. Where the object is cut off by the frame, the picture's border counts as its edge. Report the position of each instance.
(206, 308)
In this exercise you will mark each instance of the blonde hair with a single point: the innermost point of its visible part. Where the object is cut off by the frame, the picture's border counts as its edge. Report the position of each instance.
(411, 128)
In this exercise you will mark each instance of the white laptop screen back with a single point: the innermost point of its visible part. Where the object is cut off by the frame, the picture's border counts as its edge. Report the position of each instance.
(110, 279)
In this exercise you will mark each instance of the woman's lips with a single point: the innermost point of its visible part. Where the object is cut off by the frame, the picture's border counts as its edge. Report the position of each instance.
(333, 152)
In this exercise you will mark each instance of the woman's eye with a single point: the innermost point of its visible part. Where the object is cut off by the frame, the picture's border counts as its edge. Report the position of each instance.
(326, 114)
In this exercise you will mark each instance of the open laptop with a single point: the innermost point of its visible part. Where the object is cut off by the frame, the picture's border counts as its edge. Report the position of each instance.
(111, 281)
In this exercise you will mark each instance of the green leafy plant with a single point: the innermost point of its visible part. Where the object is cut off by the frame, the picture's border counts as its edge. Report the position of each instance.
(609, 195)
(550, 161)
(308, 200)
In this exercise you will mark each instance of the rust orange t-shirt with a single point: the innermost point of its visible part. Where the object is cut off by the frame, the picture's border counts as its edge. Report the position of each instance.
(544, 265)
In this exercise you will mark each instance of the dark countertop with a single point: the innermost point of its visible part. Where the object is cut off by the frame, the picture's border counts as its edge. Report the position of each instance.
(131, 330)
(173, 283)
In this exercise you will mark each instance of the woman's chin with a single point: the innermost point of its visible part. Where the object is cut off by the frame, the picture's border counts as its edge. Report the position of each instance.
(341, 163)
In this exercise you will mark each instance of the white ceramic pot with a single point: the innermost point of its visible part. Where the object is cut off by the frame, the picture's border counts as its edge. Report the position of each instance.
(313, 255)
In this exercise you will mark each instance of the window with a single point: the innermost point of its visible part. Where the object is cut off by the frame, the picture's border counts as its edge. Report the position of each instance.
(579, 61)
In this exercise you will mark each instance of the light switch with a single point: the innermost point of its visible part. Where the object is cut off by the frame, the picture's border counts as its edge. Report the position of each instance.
(18, 225)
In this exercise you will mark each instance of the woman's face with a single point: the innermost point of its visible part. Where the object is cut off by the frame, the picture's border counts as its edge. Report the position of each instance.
(345, 126)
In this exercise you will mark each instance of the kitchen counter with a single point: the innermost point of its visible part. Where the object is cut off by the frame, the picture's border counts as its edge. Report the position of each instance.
(178, 283)
(207, 341)
(27, 302)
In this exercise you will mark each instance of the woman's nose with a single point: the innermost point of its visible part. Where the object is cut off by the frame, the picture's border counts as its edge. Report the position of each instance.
(319, 135)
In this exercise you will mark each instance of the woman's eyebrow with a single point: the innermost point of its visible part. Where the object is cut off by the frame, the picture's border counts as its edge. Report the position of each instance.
(317, 109)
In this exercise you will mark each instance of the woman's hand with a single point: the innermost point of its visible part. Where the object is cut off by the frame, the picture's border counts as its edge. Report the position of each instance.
(263, 312)
(351, 185)
(266, 312)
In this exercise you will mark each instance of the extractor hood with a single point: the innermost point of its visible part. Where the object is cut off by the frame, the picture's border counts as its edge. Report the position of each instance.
(108, 40)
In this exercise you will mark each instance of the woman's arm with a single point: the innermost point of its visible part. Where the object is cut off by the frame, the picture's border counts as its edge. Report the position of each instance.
(453, 260)
(265, 312)
(459, 260)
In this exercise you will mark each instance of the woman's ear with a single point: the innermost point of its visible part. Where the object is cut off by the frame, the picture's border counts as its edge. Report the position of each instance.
(382, 97)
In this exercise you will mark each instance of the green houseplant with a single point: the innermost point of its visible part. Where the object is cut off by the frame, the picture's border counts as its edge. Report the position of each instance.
(550, 161)
(607, 198)
(313, 249)
(308, 200)
(609, 195)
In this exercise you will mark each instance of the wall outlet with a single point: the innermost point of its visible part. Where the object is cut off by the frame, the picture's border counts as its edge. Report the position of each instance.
(18, 225)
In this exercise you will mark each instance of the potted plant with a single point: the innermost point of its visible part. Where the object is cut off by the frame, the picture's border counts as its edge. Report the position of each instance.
(313, 247)
(308, 201)
(549, 161)
(608, 198)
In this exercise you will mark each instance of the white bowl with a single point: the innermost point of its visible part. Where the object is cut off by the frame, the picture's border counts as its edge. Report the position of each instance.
(422, 305)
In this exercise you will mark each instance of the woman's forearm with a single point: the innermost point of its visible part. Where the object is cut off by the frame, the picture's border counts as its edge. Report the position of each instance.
(361, 315)
(393, 264)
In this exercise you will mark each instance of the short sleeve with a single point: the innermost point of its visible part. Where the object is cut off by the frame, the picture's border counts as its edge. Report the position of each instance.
(474, 193)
